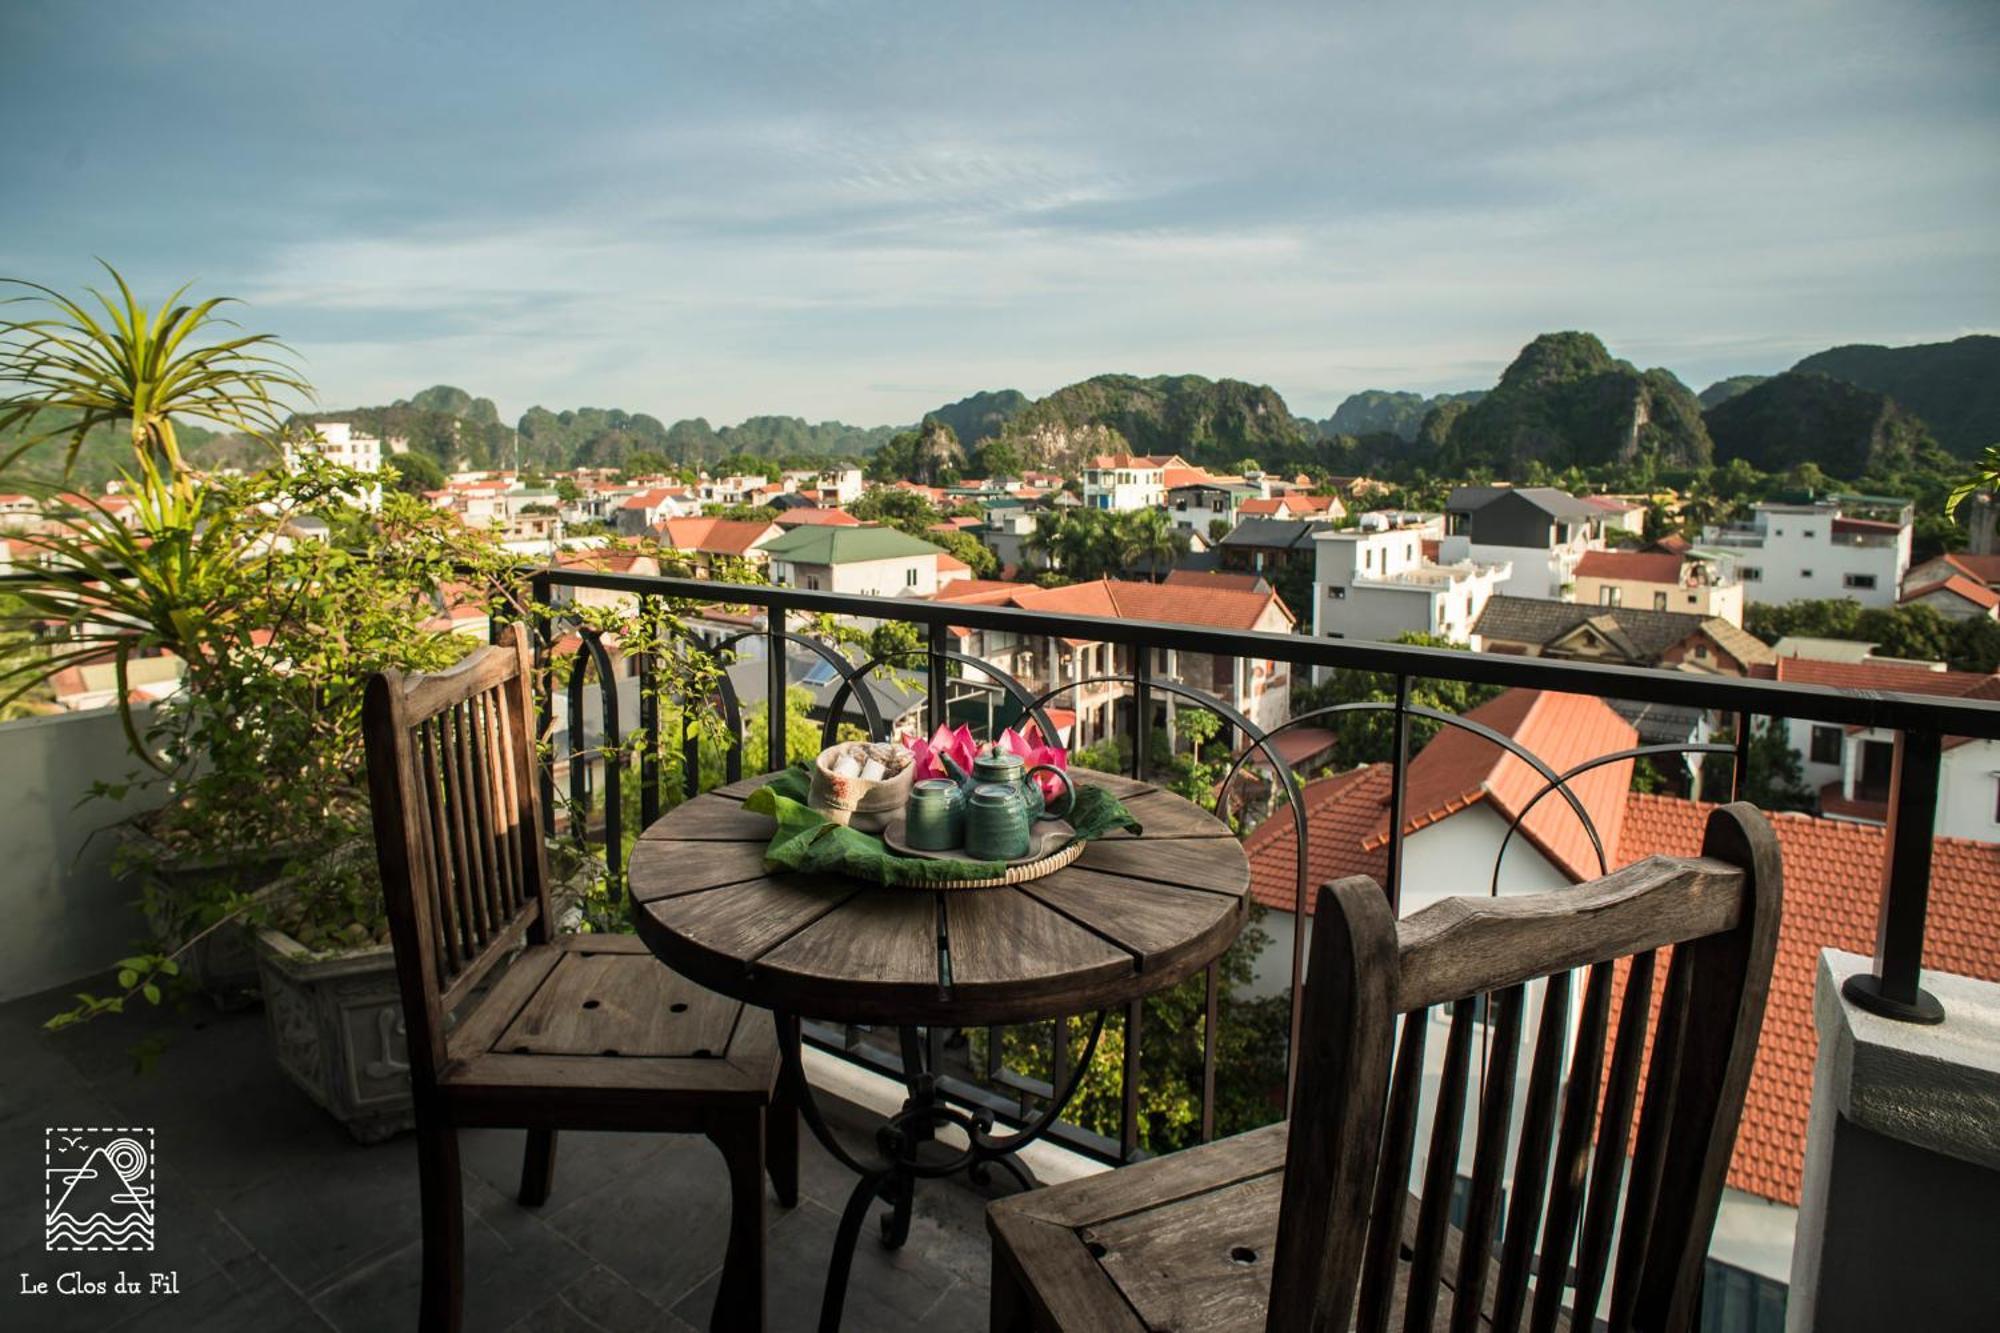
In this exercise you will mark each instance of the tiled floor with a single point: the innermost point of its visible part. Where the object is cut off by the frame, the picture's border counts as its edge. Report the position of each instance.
(273, 1219)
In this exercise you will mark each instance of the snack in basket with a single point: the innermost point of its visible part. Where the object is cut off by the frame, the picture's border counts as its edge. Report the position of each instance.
(861, 783)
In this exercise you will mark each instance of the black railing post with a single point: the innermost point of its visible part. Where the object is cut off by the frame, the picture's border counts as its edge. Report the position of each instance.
(649, 726)
(1739, 773)
(1399, 765)
(775, 704)
(545, 695)
(1212, 990)
(1142, 710)
(1894, 990)
(937, 710)
(1128, 1118)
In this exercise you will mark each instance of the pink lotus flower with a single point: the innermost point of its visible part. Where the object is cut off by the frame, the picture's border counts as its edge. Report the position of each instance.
(1033, 750)
(957, 744)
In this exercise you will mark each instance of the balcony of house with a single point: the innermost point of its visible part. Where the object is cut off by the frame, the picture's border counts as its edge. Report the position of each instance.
(272, 1216)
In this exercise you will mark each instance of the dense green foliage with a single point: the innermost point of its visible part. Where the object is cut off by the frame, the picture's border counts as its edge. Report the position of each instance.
(1797, 418)
(907, 511)
(1379, 411)
(1916, 632)
(983, 415)
(1212, 422)
(1085, 544)
(1565, 401)
(1723, 390)
(1368, 736)
(1954, 386)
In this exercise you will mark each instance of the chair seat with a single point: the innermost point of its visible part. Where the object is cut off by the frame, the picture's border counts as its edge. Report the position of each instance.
(1181, 1242)
(610, 1031)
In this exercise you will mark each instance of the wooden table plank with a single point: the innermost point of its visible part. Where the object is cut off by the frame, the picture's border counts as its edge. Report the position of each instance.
(1162, 814)
(712, 817)
(1213, 865)
(664, 869)
(1005, 945)
(884, 940)
(1117, 784)
(719, 932)
(1161, 925)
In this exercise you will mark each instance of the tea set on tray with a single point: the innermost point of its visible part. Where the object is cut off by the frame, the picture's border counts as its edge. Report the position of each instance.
(978, 802)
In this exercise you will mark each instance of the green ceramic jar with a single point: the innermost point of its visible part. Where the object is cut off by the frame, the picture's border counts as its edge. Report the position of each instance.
(934, 817)
(996, 822)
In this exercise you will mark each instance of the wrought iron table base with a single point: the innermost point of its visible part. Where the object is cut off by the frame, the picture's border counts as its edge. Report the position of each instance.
(898, 1142)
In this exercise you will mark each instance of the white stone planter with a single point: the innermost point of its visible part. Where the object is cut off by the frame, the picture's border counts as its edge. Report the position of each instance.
(337, 1029)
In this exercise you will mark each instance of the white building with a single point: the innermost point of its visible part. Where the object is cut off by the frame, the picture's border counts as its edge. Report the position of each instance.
(336, 442)
(1122, 482)
(1820, 549)
(873, 561)
(839, 486)
(730, 490)
(1378, 585)
(1541, 532)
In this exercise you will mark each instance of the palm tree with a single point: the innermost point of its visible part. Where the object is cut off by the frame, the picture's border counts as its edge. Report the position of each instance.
(136, 367)
(1149, 538)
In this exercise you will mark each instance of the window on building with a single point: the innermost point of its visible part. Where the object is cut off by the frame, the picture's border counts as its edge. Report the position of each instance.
(1825, 747)
(1609, 596)
(1180, 505)
(1701, 652)
(1806, 533)
(1368, 557)
(909, 578)
(1805, 573)
(1336, 594)
(1858, 581)
(1750, 574)
(812, 583)
(1660, 601)
(1692, 599)
(1735, 1300)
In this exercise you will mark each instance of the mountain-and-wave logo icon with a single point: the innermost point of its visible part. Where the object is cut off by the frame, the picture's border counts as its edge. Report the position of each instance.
(98, 1188)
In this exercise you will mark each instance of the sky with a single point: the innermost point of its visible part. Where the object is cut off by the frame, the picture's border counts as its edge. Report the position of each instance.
(861, 211)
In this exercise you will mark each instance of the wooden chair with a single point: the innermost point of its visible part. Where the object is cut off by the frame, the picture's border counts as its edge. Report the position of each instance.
(580, 1032)
(1313, 1225)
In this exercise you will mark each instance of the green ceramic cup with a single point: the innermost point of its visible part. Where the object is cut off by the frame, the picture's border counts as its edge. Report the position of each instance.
(934, 817)
(996, 823)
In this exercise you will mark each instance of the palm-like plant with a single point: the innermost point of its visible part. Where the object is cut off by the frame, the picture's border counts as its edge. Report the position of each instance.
(1149, 538)
(71, 369)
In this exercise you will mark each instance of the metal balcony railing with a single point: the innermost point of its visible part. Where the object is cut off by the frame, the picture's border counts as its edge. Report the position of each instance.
(1921, 725)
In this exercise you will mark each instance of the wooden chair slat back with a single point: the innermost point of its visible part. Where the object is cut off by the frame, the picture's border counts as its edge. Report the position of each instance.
(451, 767)
(1670, 960)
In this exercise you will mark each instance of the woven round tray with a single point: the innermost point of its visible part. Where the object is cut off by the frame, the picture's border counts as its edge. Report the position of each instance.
(1020, 874)
(1017, 872)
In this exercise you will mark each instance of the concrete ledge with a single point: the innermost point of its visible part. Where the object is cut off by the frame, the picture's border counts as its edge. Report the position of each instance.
(1935, 1087)
(831, 1076)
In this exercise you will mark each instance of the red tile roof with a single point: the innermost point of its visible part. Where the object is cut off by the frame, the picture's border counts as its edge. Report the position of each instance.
(1984, 568)
(1122, 599)
(1970, 589)
(713, 536)
(1831, 870)
(1347, 815)
(1209, 578)
(1638, 566)
(1878, 676)
(828, 518)
(949, 563)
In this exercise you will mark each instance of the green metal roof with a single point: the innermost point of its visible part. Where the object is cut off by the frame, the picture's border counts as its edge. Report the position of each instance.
(841, 546)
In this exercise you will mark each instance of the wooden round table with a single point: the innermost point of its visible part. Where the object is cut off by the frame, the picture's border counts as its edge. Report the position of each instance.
(1133, 915)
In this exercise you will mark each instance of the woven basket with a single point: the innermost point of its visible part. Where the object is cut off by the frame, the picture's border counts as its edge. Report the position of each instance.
(1020, 874)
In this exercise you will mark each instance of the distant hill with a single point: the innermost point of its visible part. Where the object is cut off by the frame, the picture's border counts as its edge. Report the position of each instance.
(1567, 401)
(982, 416)
(446, 423)
(1723, 390)
(1954, 386)
(1808, 418)
(1215, 422)
(1383, 411)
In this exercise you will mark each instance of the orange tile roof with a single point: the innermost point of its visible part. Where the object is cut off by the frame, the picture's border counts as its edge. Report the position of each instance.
(1878, 676)
(1260, 508)
(1459, 768)
(979, 590)
(949, 563)
(1984, 568)
(1970, 589)
(714, 536)
(1347, 817)
(1121, 599)
(1831, 869)
(1211, 578)
(1185, 476)
(1638, 566)
(829, 518)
